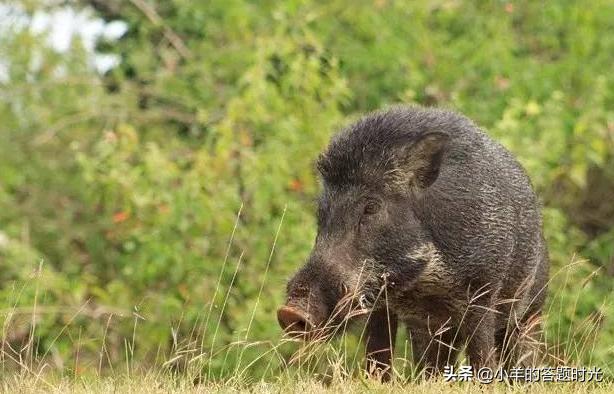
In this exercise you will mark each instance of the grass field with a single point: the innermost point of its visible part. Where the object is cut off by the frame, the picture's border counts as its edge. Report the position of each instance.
(289, 365)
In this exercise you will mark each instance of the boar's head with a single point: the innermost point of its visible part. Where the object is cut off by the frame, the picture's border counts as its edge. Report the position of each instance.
(374, 174)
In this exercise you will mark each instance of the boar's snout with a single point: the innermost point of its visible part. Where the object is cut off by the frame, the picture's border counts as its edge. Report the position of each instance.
(310, 301)
(293, 320)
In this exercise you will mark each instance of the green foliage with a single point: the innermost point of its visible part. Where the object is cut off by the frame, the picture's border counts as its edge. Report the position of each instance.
(173, 196)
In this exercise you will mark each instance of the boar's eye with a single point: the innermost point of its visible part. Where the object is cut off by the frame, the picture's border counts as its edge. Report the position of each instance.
(371, 207)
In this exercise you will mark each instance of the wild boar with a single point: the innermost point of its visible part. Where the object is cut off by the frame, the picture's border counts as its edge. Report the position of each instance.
(426, 220)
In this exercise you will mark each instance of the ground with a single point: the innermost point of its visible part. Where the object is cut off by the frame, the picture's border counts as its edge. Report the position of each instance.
(165, 384)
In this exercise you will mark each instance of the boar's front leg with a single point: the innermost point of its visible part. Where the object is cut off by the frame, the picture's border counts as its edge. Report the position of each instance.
(478, 327)
(480, 337)
(433, 348)
(381, 335)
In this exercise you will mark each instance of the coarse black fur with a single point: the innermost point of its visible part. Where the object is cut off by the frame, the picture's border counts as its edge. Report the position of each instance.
(425, 217)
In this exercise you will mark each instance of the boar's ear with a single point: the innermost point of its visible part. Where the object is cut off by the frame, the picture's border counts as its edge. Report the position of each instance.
(421, 160)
